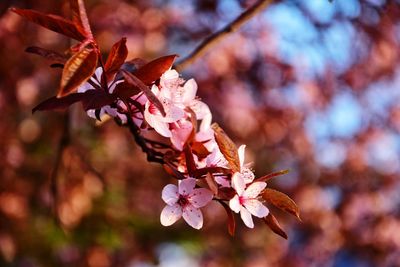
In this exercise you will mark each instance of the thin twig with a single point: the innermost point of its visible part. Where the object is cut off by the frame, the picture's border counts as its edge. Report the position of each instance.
(219, 35)
(62, 145)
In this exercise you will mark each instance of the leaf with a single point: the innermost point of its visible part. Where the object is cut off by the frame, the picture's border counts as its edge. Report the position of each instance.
(116, 58)
(274, 225)
(226, 193)
(200, 150)
(52, 22)
(134, 81)
(203, 171)
(231, 218)
(78, 69)
(153, 70)
(190, 163)
(227, 147)
(91, 99)
(211, 183)
(171, 170)
(80, 18)
(48, 54)
(281, 201)
(271, 175)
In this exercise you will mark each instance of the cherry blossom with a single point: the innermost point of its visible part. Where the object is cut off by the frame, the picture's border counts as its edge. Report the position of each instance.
(184, 201)
(245, 201)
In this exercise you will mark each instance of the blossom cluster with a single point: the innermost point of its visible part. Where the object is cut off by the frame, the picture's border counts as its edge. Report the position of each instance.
(183, 110)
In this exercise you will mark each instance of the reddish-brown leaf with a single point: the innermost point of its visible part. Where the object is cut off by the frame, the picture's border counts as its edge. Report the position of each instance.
(231, 218)
(227, 147)
(134, 81)
(281, 201)
(226, 193)
(170, 169)
(91, 99)
(116, 58)
(190, 163)
(51, 55)
(200, 150)
(271, 175)
(153, 70)
(214, 170)
(52, 22)
(274, 225)
(80, 18)
(79, 68)
(211, 183)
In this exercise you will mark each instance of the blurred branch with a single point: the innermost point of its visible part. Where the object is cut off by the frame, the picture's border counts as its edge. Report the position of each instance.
(152, 155)
(216, 37)
(62, 145)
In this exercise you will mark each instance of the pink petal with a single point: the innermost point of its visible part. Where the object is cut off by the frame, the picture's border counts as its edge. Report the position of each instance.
(238, 183)
(180, 133)
(206, 123)
(200, 109)
(173, 113)
(234, 204)
(246, 217)
(170, 214)
(247, 175)
(224, 182)
(200, 197)
(156, 122)
(254, 189)
(256, 208)
(170, 194)
(190, 90)
(193, 216)
(241, 155)
(186, 186)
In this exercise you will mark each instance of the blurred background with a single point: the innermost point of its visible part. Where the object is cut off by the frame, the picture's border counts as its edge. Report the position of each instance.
(309, 85)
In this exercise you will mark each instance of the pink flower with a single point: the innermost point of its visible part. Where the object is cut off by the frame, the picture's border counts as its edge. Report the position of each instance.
(245, 201)
(184, 200)
(245, 171)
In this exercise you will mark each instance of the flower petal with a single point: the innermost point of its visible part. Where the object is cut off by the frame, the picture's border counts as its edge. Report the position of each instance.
(234, 204)
(205, 124)
(193, 216)
(170, 214)
(241, 155)
(190, 90)
(256, 208)
(170, 194)
(254, 189)
(180, 133)
(200, 197)
(156, 122)
(238, 183)
(246, 217)
(186, 186)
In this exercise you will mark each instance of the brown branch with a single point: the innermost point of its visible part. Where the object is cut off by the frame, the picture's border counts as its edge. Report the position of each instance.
(216, 37)
(62, 145)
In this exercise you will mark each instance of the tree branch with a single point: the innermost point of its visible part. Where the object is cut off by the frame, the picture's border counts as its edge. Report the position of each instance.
(62, 145)
(216, 37)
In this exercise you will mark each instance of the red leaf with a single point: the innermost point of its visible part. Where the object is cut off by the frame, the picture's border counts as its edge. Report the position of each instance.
(116, 58)
(227, 147)
(211, 183)
(281, 201)
(231, 218)
(190, 163)
(134, 81)
(226, 193)
(153, 70)
(271, 175)
(203, 171)
(79, 17)
(200, 150)
(78, 69)
(48, 54)
(52, 22)
(91, 99)
(274, 225)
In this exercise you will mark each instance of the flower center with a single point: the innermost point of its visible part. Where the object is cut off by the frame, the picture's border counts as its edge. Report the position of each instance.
(183, 201)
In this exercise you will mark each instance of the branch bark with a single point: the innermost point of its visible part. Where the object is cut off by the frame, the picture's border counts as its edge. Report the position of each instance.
(216, 37)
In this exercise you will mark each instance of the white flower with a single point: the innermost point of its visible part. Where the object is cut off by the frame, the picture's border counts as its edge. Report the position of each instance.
(245, 201)
(185, 201)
